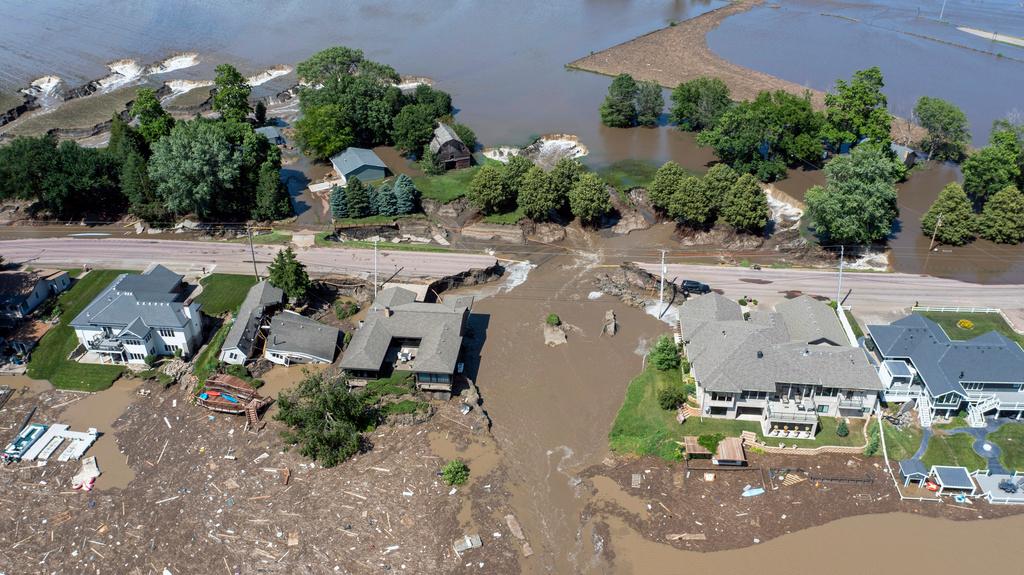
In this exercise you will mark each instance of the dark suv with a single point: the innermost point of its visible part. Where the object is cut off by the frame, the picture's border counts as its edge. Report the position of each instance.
(695, 287)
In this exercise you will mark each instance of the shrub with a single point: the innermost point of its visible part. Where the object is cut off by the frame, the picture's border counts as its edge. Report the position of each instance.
(345, 309)
(742, 301)
(710, 441)
(455, 472)
(346, 339)
(685, 364)
(553, 320)
(665, 355)
(672, 397)
(150, 360)
(873, 442)
(842, 430)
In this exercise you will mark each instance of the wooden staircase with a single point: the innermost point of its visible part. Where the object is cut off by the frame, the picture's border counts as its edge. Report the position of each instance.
(252, 412)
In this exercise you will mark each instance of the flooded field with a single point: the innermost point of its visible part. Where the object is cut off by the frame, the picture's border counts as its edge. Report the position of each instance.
(814, 42)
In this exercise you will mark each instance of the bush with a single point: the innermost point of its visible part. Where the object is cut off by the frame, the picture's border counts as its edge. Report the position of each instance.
(873, 441)
(455, 472)
(742, 301)
(150, 360)
(842, 430)
(672, 397)
(665, 355)
(710, 441)
(345, 309)
(553, 320)
(346, 339)
(685, 364)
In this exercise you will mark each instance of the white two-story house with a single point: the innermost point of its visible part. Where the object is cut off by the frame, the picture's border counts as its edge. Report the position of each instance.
(138, 315)
(783, 369)
(919, 362)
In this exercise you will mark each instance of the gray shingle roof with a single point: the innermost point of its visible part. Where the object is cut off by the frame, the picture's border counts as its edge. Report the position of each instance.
(271, 133)
(443, 134)
(438, 326)
(243, 331)
(812, 321)
(732, 355)
(155, 297)
(294, 333)
(953, 477)
(944, 363)
(352, 159)
(913, 468)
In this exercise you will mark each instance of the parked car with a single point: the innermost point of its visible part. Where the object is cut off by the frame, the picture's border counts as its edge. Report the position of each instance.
(692, 286)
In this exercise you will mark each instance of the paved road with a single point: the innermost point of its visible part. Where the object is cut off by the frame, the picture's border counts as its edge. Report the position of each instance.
(874, 296)
(226, 257)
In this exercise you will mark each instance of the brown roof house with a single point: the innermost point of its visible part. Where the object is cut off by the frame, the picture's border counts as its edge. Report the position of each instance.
(449, 150)
(402, 334)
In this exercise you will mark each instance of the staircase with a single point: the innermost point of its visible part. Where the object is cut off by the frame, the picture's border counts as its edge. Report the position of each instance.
(924, 414)
(976, 411)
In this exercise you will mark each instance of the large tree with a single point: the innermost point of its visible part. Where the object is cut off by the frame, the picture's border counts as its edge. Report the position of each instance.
(857, 109)
(154, 121)
(440, 103)
(989, 170)
(762, 137)
(140, 191)
(666, 180)
(649, 103)
(745, 206)
(564, 175)
(857, 204)
(338, 203)
(24, 163)
(196, 168)
(1002, 219)
(323, 418)
(948, 134)
(406, 195)
(357, 198)
(413, 127)
(690, 204)
(588, 199)
(619, 107)
(513, 172)
(80, 181)
(231, 97)
(324, 131)
(951, 218)
(289, 274)
(272, 201)
(329, 64)
(698, 103)
(537, 196)
(717, 183)
(487, 190)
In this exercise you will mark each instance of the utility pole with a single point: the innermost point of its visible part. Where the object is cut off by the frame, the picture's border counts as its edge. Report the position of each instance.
(252, 251)
(935, 232)
(661, 291)
(943, 11)
(375, 269)
(839, 292)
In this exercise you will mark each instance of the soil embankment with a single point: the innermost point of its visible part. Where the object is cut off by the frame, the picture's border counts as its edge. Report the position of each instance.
(680, 53)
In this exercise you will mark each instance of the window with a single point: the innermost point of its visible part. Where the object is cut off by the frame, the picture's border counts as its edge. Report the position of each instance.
(108, 331)
(136, 356)
(715, 396)
(171, 348)
(828, 392)
(166, 332)
(823, 408)
(132, 342)
(432, 377)
(755, 395)
(233, 355)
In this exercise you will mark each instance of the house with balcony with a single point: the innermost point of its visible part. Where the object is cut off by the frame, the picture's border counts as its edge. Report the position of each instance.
(138, 315)
(784, 368)
(403, 334)
(919, 362)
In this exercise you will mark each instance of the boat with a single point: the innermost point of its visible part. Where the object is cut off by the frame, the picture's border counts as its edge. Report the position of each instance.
(229, 394)
(23, 442)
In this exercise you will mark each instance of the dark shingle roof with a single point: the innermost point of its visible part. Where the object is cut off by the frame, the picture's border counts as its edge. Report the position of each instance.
(443, 134)
(944, 363)
(243, 331)
(294, 333)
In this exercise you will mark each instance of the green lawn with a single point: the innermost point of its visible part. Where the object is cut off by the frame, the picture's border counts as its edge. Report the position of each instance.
(953, 450)
(377, 219)
(49, 360)
(223, 293)
(642, 426)
(901, 443)
(446, 187)
(983, 323)
(508, 219)
(857, 331)
(207, 360)
(1010, 440)
(274, 237)
(956, 422)
(323, 242)
(627, 174)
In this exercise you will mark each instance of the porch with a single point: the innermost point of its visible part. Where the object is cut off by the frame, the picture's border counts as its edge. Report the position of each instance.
(788, 421)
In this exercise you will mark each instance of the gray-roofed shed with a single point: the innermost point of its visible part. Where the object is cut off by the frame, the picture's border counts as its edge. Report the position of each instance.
(949, 477)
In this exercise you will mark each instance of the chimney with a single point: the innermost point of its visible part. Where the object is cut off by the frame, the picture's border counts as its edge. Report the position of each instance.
(760, 354)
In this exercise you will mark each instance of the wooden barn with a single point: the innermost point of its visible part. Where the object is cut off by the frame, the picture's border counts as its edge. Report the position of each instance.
(449, 149)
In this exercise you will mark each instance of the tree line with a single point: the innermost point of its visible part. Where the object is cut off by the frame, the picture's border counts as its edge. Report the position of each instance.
(359, 200)
(348, 100)
(156, 168)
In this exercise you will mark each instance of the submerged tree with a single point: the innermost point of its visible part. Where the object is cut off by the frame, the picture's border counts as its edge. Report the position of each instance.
(698, 103)
(619, 107)
(745, 206)
(1002, 220)
(324, 418)
(948, 134)
(951, 218)
(857, 109)
(857, 204)
(649, 103)
(232, 96)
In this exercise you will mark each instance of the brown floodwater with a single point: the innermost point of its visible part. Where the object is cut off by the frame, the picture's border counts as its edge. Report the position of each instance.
(101, 410)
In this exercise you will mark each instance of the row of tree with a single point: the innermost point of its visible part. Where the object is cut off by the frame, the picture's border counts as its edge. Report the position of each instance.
(348, 100)
(539, 195)
(359, 200)
(630, 103)
(722, 194)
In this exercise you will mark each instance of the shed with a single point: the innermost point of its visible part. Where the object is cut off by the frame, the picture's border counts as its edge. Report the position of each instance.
(956, 479)
(360, 163)
(273, 134)
(904, 154)
(449, 149)
(730, 452)
(912, 470)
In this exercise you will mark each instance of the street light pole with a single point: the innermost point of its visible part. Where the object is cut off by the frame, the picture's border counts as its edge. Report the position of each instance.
(943, 11)
(252, 251)
(839, 292)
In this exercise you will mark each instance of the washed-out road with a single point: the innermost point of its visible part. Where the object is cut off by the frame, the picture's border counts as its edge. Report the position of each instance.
(873, 296)
(227, 257)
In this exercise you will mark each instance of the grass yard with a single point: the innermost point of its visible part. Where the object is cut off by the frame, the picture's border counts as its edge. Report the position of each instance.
(983, 323)
(1010, 440)
(377, 219)
(953, 450)
(642, 426)
(49, 360)
(223, 293)
(207, 360)
(274, 237)
(857, 331)
(509, 219)
(446, 187)
(628, 174)
(956, 422)
(901, 443)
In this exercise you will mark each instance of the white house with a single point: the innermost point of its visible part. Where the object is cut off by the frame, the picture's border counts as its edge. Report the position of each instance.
(23, 291)
(139, 315)
(295, 338)
(245, 334)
